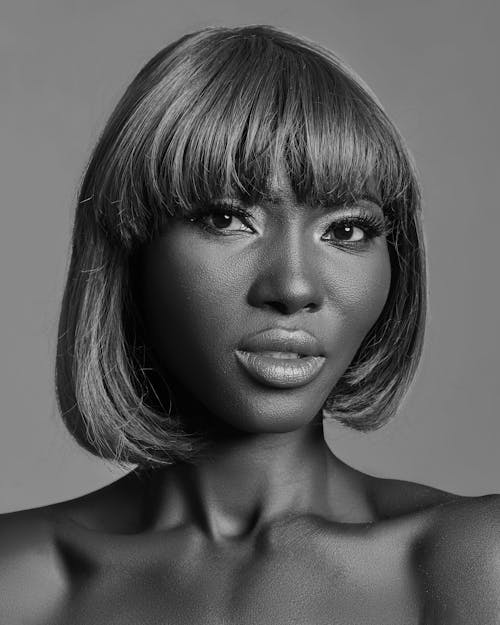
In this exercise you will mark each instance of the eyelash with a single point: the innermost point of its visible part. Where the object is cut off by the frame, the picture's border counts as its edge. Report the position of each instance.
(198, 215)
(372, 225)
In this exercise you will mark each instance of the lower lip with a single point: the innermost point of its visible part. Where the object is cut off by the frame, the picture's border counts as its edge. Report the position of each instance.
(281, 372)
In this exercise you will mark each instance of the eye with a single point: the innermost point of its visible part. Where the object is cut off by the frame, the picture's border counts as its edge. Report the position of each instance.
(227, 221)
(221, 219)
(356, 230)
(347, 232)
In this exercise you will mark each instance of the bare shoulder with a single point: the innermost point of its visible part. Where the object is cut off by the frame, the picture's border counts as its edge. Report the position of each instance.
(34, 575)
(32, 582)
(396, 498)
(458, 562)
(457, 554)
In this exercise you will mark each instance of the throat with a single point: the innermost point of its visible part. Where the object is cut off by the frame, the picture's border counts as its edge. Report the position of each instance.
(247, 484)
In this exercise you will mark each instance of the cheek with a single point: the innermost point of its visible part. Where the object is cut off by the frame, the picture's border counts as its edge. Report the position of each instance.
(200, 294)
(187, 297)
(196, 310)
(195, 304)
(361, 289)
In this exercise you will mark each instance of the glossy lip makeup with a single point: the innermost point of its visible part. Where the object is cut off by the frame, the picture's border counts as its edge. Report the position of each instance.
(281, 358)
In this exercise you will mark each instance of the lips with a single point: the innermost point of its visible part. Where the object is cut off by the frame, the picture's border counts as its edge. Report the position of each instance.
(280, 340)
(281, 358)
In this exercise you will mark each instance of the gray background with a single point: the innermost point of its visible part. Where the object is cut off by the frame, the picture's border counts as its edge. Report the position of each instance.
(434, 66)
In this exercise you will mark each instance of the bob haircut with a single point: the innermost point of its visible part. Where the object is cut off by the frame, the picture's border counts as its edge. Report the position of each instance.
(214, 114)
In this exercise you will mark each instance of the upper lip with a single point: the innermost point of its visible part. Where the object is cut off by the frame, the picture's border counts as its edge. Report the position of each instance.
(281, 340)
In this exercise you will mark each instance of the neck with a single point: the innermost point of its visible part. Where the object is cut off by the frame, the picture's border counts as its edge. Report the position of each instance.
(249, 480)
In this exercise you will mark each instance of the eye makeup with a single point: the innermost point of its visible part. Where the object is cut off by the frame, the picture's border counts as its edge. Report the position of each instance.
(370, 223)
(228, 217)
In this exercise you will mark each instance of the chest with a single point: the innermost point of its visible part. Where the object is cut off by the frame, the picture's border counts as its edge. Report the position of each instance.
(304, 581)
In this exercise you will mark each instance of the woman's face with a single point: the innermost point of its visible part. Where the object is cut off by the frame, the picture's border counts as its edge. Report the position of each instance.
(212, 284)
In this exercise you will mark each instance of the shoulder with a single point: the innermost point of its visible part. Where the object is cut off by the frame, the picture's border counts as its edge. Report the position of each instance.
(457, 553)
(32, 581)
(35, 576)
(393, 498)
(458, 562)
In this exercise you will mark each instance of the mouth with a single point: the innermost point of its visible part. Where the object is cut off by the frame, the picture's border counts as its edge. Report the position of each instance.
(281, 358)
(281, 341)
(280, 369)
(282, 355)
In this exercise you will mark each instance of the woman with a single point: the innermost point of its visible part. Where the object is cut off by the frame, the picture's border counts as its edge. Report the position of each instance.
(247, 260)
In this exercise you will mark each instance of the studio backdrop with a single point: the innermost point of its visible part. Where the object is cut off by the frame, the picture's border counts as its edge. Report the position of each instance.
(434, 66)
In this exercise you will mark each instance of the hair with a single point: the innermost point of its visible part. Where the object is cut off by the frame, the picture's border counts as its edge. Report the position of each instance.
(211, 115)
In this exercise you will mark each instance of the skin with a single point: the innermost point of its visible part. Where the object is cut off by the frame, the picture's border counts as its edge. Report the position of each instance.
(269, 527)
(227, 286)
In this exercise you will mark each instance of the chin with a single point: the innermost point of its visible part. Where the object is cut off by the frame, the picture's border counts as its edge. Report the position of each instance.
(264, 415)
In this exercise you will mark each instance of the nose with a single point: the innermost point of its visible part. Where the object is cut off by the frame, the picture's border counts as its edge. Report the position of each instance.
(288, 276)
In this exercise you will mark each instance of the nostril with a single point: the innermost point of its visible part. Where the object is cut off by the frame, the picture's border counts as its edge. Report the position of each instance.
(279, 306)
(311, 307)
(284, 289)
(289, 308)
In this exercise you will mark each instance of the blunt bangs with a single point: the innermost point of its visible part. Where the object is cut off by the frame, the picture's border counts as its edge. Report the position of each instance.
(216, 115)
